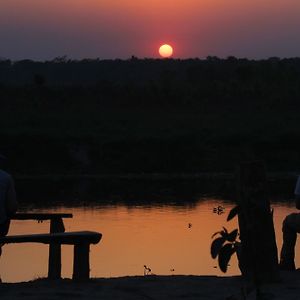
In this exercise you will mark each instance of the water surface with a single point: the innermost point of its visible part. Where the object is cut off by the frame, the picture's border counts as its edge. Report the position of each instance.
(158, 236)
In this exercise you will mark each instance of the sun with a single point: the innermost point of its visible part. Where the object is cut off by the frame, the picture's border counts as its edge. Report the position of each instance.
(165, 51)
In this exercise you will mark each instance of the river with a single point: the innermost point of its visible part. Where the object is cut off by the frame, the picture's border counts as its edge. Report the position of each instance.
(168, 238)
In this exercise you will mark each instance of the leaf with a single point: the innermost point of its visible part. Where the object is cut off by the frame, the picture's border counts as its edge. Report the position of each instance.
(216, 246)
(224, 256)
(218, 232)
(224, 233)
(232, 235)
(233, 213)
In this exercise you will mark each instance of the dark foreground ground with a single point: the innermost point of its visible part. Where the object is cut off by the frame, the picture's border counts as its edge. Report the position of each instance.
(151, 287)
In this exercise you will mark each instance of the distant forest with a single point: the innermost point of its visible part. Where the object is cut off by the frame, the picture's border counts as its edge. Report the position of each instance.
(149, 115)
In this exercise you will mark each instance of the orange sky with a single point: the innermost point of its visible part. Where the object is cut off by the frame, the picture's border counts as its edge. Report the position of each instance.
(121, 28)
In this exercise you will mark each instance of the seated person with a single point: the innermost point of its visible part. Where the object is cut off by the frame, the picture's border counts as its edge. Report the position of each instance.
(8, 202)
(290, 228)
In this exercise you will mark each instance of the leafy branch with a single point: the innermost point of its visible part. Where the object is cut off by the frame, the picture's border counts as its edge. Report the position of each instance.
(226, 244)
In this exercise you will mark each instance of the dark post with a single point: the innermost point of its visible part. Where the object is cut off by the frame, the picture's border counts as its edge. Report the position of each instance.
(259, 260)
(54, 266)
(81, 267)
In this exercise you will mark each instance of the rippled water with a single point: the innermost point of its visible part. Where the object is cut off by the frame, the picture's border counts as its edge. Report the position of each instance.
(169, 239)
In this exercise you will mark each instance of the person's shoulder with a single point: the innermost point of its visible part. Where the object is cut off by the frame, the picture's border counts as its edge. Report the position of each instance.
(4, 175)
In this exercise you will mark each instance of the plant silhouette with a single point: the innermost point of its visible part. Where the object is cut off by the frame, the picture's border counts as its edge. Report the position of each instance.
(226, 244)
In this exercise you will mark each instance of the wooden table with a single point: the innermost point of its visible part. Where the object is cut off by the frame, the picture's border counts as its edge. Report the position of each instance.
(56, 226)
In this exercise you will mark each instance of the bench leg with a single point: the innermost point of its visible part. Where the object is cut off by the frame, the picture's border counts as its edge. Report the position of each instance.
(54, 266)
(81, 266)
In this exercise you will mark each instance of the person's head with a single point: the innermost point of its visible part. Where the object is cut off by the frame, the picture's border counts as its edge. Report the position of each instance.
(297, 187)
(3, 160)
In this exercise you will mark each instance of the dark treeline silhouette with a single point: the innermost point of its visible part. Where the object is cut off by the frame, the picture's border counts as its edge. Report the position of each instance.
(63, 71)
(149, 115)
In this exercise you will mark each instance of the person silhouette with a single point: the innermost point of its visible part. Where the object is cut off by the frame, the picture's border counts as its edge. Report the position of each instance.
(290, 228)
(8, 200)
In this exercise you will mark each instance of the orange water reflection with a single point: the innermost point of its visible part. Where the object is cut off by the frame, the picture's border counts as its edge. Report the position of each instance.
(158, 237)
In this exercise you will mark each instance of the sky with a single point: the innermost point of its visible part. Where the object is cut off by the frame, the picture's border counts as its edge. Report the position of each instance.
(109, 29)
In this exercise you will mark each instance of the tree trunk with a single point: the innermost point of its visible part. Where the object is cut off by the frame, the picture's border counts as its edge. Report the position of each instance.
(259, 259)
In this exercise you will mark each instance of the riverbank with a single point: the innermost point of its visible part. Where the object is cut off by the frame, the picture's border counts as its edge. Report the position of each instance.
(153, 176)
(143, 187)
(150, 287)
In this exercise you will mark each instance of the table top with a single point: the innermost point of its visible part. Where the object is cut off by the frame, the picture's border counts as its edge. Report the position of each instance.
(40, 216)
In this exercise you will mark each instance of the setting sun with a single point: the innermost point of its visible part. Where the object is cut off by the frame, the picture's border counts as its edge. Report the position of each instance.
(165, 50)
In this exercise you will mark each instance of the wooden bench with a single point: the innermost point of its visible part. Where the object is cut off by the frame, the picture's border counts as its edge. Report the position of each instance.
(81, 241)
(57, 226)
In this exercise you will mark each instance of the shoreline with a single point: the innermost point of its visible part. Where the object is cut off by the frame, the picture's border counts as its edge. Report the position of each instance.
(151, 287)
(154, 176)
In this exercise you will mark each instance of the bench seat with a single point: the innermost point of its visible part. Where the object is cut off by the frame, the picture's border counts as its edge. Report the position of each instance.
(63, 238)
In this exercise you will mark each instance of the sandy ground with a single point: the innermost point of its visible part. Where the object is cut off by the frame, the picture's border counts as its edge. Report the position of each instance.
(151, 287)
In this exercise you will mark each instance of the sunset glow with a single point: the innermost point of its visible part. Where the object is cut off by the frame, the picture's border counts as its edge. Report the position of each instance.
(46, 29)
(159, 145)
(165, 51)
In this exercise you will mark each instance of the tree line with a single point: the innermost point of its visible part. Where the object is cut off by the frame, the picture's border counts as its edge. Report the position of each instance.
(149, 115)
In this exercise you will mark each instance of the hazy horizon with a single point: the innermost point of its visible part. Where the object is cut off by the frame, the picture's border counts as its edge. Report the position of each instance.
(43, 30)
